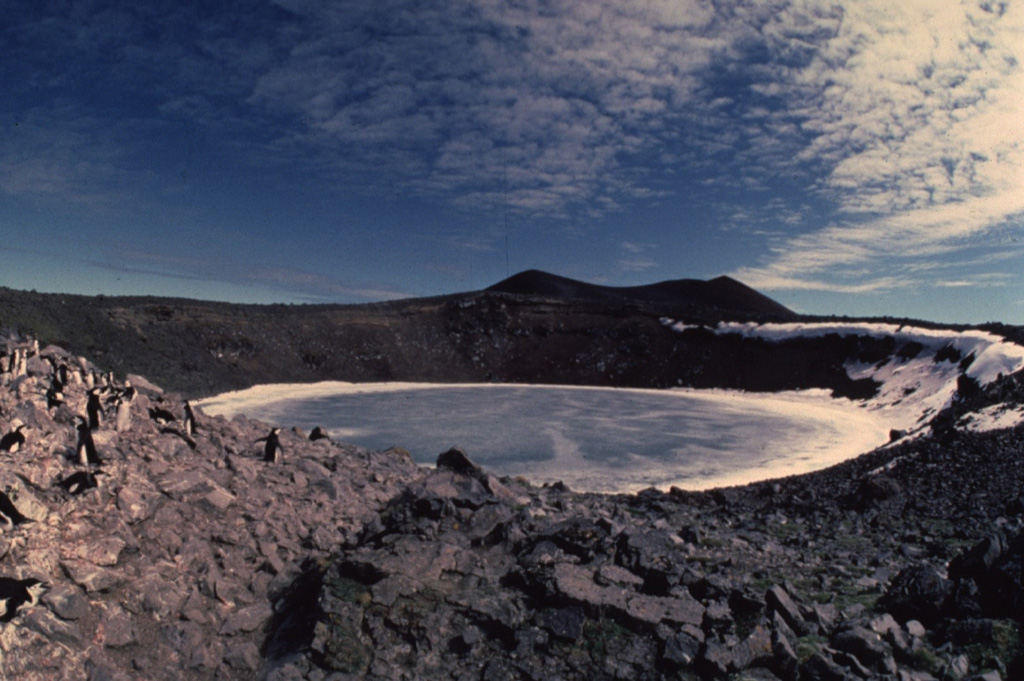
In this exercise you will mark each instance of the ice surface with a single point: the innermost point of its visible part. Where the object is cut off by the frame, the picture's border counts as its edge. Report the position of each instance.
(594, 439)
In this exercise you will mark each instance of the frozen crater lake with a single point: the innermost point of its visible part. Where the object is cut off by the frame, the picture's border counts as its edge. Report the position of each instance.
(593, 439)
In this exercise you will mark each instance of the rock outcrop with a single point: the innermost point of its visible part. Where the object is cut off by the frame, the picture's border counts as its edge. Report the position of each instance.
(176, 564)
(193, 558)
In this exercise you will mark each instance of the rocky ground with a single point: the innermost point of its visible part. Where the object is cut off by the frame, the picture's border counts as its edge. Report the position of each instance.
(195, 559)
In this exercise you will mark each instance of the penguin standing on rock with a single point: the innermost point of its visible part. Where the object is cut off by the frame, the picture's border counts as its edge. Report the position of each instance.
(123, 416)
(12, 441)
(86, 447)
(60, 376)
(14, 593)
(54, 395)
(94, 409)
(190, 420)
(272, 451)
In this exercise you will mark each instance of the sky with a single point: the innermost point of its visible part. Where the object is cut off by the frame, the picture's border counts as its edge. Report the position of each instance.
(864, 157)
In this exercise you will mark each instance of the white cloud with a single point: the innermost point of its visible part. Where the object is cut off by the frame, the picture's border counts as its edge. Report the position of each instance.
(544, 102)
(916, 112)
(905, 116)
(635, 257)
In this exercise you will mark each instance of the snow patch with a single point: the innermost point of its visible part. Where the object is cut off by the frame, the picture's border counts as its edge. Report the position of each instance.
(914, 386)
(994, 417)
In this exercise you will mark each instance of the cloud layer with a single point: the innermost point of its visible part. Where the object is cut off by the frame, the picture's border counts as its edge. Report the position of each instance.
(860, 142)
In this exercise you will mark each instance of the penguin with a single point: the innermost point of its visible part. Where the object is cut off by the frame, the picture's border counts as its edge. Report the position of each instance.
(129, 391)
(190, 420)
(79, 482)
(94, 409)
(61, 376)
(123, 417)
(319, 434)
(272, 451)
(21, 363)
(86, 448)
(15, 593)
(54, 397)
(162, 416)
(10, 513)
(12, 441)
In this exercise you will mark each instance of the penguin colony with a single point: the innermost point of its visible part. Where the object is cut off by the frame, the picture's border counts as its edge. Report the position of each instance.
(107, 405)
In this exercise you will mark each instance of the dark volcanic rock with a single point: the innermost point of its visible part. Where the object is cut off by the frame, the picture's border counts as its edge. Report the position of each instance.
(194, 559)
(918, 592)
(456, 460)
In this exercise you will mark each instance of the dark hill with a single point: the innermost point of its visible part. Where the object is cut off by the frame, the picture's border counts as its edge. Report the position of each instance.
(722, 293)
(534, 327)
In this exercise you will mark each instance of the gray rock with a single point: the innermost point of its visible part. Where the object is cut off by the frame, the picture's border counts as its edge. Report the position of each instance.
(456, 460)
(244, 656)
(563, 623)
(821, 668)
(52, 628)
(779, 600)
(136, 504)
(67, 602)
(577, 584)
(103, 552)
(784, 659)
(918, 592)
(683, 645)
(251, 618)
(90, 577)
(159, 596)
(865, 645)
(118, 629)
(958, 668)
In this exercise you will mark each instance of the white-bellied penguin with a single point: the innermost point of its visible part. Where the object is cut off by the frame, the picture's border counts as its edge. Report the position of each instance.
(190, 419)
(272, 450)
(10, 513)
(16, 593)
(162, 416)
(94, 409)
(85, 450)
(14, 440)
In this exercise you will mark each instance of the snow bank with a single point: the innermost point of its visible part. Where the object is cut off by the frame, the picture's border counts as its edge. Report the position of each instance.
(912, 388)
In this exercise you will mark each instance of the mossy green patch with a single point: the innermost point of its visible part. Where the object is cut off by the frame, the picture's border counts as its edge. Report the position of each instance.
(807, 646)
(349, 590)
(599, 634)
(342, 649)
(1005, 646)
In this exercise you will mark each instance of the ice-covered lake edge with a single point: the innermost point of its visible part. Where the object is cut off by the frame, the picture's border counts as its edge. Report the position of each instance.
(850, 428)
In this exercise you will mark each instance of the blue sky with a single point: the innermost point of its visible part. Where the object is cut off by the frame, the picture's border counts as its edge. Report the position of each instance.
(865, 158)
